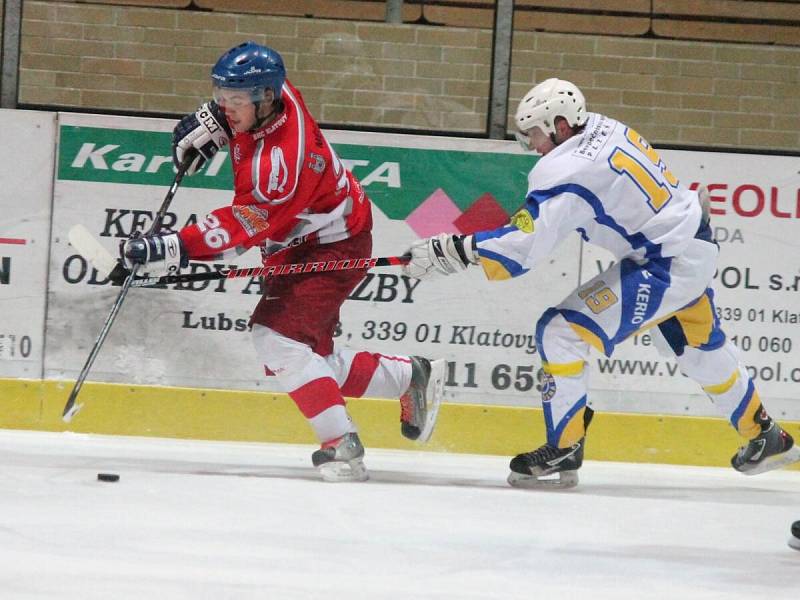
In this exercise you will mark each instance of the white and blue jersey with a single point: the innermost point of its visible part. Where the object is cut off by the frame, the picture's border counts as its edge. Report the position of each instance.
(609, 185)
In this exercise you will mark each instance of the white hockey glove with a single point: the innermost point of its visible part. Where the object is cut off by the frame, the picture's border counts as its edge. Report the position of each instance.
(443, 254)
(200, 135)
(163, 254)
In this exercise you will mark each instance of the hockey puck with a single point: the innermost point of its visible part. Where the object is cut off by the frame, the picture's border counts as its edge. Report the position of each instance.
(794, 541)
(107, 477)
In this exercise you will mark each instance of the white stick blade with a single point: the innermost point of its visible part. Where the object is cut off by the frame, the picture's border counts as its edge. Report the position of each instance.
(89, 248)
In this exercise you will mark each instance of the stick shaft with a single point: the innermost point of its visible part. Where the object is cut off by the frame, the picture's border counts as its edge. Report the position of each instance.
(69, 411)
(73, 396)
(276, 270)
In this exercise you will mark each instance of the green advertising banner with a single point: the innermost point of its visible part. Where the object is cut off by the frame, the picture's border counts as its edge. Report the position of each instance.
(398, 180)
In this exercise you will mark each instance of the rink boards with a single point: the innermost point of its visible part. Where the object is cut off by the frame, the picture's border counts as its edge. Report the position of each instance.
(178, 361)
(118, 409)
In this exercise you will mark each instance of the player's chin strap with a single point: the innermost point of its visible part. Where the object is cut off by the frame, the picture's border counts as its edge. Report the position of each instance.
(577, 129)
(277, 108)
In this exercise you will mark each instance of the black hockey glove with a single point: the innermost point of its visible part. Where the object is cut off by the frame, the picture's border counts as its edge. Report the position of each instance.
(199, 136)
(162, 254)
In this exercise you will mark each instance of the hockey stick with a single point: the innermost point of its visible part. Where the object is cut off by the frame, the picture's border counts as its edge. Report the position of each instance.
(70, 408)
(88, 247)
(276, 270)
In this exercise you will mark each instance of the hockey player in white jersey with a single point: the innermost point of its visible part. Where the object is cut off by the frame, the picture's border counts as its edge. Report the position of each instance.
(602, 179)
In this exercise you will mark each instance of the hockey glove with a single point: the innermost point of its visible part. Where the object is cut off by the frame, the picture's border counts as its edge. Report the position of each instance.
(200, 136)
(443, 254)
(162, 254)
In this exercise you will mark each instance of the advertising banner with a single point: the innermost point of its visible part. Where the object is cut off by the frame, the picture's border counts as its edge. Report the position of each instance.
(113, 173)
(26, 170)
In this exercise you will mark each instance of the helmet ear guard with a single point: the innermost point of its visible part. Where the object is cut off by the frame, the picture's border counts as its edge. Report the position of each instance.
(544, 102)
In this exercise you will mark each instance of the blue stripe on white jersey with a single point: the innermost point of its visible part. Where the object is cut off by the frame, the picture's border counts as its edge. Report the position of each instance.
(636, 240)
(497, 260)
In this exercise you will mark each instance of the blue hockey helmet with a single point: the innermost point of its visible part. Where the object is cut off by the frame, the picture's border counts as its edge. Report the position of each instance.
(250, 66)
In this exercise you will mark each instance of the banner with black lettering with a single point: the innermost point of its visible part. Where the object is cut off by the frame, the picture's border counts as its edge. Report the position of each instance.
(26, 170)
(113, 173)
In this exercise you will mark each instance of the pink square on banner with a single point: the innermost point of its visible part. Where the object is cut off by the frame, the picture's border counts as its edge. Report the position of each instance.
(435, 215)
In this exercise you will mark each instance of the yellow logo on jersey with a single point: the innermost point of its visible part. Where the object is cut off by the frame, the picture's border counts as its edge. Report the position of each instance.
(523, 221)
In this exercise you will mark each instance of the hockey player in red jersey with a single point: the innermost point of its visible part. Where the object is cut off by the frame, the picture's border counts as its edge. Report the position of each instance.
(293, 199)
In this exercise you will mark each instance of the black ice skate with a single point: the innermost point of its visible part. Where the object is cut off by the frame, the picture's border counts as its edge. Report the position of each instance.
(341, 459)
(794, 540)
(419, 405)
(771, 449)
(547, 467)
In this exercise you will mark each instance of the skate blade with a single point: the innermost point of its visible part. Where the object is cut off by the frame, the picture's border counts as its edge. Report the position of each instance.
(776, 462)
(563, 480)
(433, 396)
(340, 471)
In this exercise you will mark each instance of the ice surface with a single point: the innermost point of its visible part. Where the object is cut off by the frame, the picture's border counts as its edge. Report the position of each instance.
(211, 520)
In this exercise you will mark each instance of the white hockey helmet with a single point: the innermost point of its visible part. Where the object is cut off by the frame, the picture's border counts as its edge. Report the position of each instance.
(547, 100)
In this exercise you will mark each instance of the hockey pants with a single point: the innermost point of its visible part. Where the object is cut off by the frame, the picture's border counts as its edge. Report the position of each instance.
(669, 295)
(293, 329)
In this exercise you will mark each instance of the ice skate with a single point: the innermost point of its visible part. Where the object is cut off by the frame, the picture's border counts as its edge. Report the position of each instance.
(547, 467)
(771, 449)
(419, 405)
(341, 459)
(794, 540)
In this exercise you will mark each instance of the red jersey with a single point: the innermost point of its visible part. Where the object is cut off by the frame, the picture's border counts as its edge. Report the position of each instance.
(290, 188)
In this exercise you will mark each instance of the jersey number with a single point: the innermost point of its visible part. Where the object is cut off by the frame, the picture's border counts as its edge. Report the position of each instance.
(214, 235)
(598, 297)
(657, 192)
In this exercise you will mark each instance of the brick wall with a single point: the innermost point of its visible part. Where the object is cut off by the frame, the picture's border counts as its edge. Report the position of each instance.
(374, 74)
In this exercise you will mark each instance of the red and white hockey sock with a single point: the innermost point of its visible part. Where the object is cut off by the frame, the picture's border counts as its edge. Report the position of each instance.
(369, 374)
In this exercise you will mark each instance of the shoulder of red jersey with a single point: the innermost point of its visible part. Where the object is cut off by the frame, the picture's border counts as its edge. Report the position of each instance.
(279, 151)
